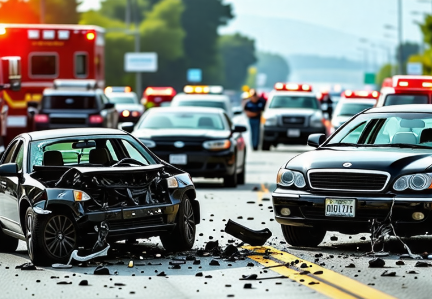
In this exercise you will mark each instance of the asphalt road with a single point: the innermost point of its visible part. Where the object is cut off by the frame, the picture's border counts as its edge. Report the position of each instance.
(327, 275)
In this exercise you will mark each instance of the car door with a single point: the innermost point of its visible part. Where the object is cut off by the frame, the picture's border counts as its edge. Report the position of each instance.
(9, 186)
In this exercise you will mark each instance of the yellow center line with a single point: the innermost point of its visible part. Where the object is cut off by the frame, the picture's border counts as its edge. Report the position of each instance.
(330, 283)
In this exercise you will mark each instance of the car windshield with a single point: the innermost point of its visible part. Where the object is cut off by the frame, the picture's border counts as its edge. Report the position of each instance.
(123, 100)
(87, 151)
(294, 102)
(203, 103)
(350, 109)
(405, 99)
(412, 130)
(69, 102)
(183, 120)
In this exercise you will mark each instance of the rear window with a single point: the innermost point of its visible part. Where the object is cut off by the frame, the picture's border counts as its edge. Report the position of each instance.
(350, 109)
(123, 100)
(405, 99)
(294, 102)
(69, 102)
(43, 65)
(210, 104)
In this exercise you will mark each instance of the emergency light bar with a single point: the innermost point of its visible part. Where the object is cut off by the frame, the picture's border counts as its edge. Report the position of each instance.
(293, 87)
(203, 89)
(411, 83)
(349, 94)
(74, 83)
(110, 89)
(159, 91)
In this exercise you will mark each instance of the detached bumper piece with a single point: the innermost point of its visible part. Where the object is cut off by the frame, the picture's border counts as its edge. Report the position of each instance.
(247, 235)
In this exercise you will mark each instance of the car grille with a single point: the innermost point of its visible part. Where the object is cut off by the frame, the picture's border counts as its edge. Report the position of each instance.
(293, 120)
(333, 179)
(169, 146)
(134, 223)
(68, 121)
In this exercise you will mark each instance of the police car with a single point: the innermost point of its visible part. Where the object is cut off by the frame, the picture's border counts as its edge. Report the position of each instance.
(292, 113)
(157, 96)
(351, 103)
(402, 90)
(204, 96)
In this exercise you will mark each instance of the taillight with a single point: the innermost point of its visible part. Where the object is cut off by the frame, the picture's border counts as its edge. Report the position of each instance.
(125, 113)
(135, 114)
(41, 118)
(96, 119)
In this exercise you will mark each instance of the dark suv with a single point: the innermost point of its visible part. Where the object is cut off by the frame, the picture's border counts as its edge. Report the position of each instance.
(72, 104)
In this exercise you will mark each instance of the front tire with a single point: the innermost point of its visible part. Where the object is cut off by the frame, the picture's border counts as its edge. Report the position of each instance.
(183, 236)
(7, 243)
(230, 181)
(302, 236)
(50, 239)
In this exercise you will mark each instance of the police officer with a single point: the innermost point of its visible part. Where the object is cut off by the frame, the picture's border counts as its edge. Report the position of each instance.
(253, 109)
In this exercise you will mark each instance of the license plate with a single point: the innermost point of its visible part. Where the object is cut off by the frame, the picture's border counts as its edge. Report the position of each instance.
(340, 207)
(293, 133)
(178, 159)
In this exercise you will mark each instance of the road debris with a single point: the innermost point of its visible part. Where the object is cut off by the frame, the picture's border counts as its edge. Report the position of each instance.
(26, 267)
(376, 263)
(247, 235)
(101, 270)
(389, 274)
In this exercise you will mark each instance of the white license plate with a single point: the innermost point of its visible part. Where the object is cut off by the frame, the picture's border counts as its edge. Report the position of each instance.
(293, 133)
(178, 159)
(340, 207)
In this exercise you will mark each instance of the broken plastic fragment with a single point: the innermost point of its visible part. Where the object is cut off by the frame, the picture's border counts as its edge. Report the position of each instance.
(387, 273)
(26, 267)
(131, 264)
(247, 235)
(249, 277)
(83, 283)
(400, 263)
(61, 266)
(211, 245)
(376, 263)
(75, 256)
(422, 264)
(101, 270)
(214, 263)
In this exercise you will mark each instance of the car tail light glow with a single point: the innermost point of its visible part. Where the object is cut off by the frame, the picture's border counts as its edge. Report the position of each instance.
(293, 87)
(125, 113)
(41, 118)
(361, 94)
(159, 91)
(135, 113)
(96, 119)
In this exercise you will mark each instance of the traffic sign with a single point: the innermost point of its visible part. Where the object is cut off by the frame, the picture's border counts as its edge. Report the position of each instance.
(369, 78)
(194, 75)
(141, 62)
(414, 68)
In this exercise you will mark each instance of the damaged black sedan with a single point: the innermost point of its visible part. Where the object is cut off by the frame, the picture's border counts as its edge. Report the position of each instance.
(58, 187)
(374, 173)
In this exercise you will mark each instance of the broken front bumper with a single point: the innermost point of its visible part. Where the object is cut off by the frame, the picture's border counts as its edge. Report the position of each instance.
(308, 210)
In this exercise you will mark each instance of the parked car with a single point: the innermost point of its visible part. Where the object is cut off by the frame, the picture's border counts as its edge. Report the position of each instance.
(375, 169)
(58, 185)
(72, 104)
(126, 103)
(202, 141)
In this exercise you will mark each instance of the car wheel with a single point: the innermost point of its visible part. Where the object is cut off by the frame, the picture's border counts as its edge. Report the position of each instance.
(265, 146)
(302, 236)
(7, 243)
(50, 239)
(183, 236)
(242, 174)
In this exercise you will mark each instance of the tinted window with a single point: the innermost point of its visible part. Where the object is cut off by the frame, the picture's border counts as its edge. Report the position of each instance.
(10, 153)
(211, 104)
(403, 99)
(350, 109)
(20, 157)
(69, 102)
(294, 102)
(43, 65)
(183, 120)
(81, 65)
(123, 100)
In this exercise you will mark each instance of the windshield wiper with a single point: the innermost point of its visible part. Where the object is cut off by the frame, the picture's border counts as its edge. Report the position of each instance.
(403, 145)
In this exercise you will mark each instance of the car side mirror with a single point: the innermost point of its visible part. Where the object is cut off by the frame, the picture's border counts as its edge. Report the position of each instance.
(109, 105)
(9, 169)
(239, 129)
(11, 73)
(127, 126)
(316, 140)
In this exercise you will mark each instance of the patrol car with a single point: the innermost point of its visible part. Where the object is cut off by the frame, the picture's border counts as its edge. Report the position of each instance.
(292, 113)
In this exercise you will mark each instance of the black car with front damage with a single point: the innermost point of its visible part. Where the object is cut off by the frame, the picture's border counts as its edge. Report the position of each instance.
(58, 187)
(374, 171)
(202, 141)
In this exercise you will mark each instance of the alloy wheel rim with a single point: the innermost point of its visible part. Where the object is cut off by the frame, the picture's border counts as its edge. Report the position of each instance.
(29, 236)
(189, 221)
(60, 236)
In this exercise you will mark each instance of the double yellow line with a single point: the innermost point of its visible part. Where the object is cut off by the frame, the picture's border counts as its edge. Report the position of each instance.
(324, 281)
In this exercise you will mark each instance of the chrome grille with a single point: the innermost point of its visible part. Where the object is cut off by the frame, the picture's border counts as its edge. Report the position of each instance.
(348, 180)
(293, 120)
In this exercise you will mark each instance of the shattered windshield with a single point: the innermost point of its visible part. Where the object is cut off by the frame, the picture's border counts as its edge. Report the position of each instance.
(86, 151)
(412, 130)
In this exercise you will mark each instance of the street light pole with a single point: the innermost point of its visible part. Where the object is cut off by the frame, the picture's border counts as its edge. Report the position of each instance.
(400, 54)
(138, 83)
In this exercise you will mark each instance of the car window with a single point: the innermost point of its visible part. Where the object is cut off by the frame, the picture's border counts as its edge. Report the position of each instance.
(123, 99)
(351, 109)
(9, 153)
(134, 153)
(204, 103)
(183, 120)
(104, 98)
(354, 135)
(284, 101)
(404, 99)
(69, 102)
(20, 156)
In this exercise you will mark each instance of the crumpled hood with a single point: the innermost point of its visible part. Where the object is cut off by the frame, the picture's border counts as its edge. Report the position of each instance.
(392, 160)
(177, 134)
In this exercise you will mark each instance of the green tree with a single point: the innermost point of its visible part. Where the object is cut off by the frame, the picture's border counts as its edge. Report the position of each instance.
(274, 66)
(115, 9)
(238, 53)
(386, 71)
(201, 20)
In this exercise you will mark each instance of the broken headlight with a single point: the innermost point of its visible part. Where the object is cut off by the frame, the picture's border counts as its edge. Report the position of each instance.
(417, 182)
(81, 196)
(287, 178)
(172, 182)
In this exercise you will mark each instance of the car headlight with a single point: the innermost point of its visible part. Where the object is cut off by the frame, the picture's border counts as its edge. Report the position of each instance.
(287, 178)
(271, 121)
(217, 145)
(172, 182)
(416, 182)
(81, 196)
(316, 120)
(148, 143)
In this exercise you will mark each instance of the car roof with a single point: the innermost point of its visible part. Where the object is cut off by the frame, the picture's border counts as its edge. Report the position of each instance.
(200, 97)
(57, 133)
(402, 108)
(186, 109)
(122, 94)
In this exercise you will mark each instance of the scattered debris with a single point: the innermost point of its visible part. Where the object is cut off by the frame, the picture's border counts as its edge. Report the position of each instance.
(131, 264)
(214, 263)
(26, 267)
(412, 272)
(250, 265)
(400, 263)
(162, 274)
(247, 286)
(376, 263)
(252, 237)
(83, 283)
(199, 274)
(422, 264)
(387, 273)
(211, 245)
(229, 250)
(249, 277)
(101, 270)
(318, 272)
(64, 282)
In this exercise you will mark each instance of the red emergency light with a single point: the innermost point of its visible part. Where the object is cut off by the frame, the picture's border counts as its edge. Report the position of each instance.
(293, 87)
(419, 83)
(90, 36)
(388, 82)
(159, 91)
(362, 94)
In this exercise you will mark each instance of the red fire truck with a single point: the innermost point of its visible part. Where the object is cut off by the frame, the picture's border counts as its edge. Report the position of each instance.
(48, 52)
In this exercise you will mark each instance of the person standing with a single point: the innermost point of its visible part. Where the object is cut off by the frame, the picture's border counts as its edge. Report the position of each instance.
(253, 109)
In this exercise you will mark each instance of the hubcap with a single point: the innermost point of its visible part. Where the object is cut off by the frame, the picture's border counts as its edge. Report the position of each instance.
(189, 221)
(60, 236)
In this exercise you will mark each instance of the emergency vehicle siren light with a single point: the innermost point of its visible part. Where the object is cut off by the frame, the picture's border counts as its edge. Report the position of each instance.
(361, 94)
(412, 82)
(292, 87)
(2, 30)
(159, 91)
(110, 89)
(203, 89)
(73, 83)
(90, 36)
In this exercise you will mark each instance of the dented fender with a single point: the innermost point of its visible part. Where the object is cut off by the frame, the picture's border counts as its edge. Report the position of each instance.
(63, 197)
